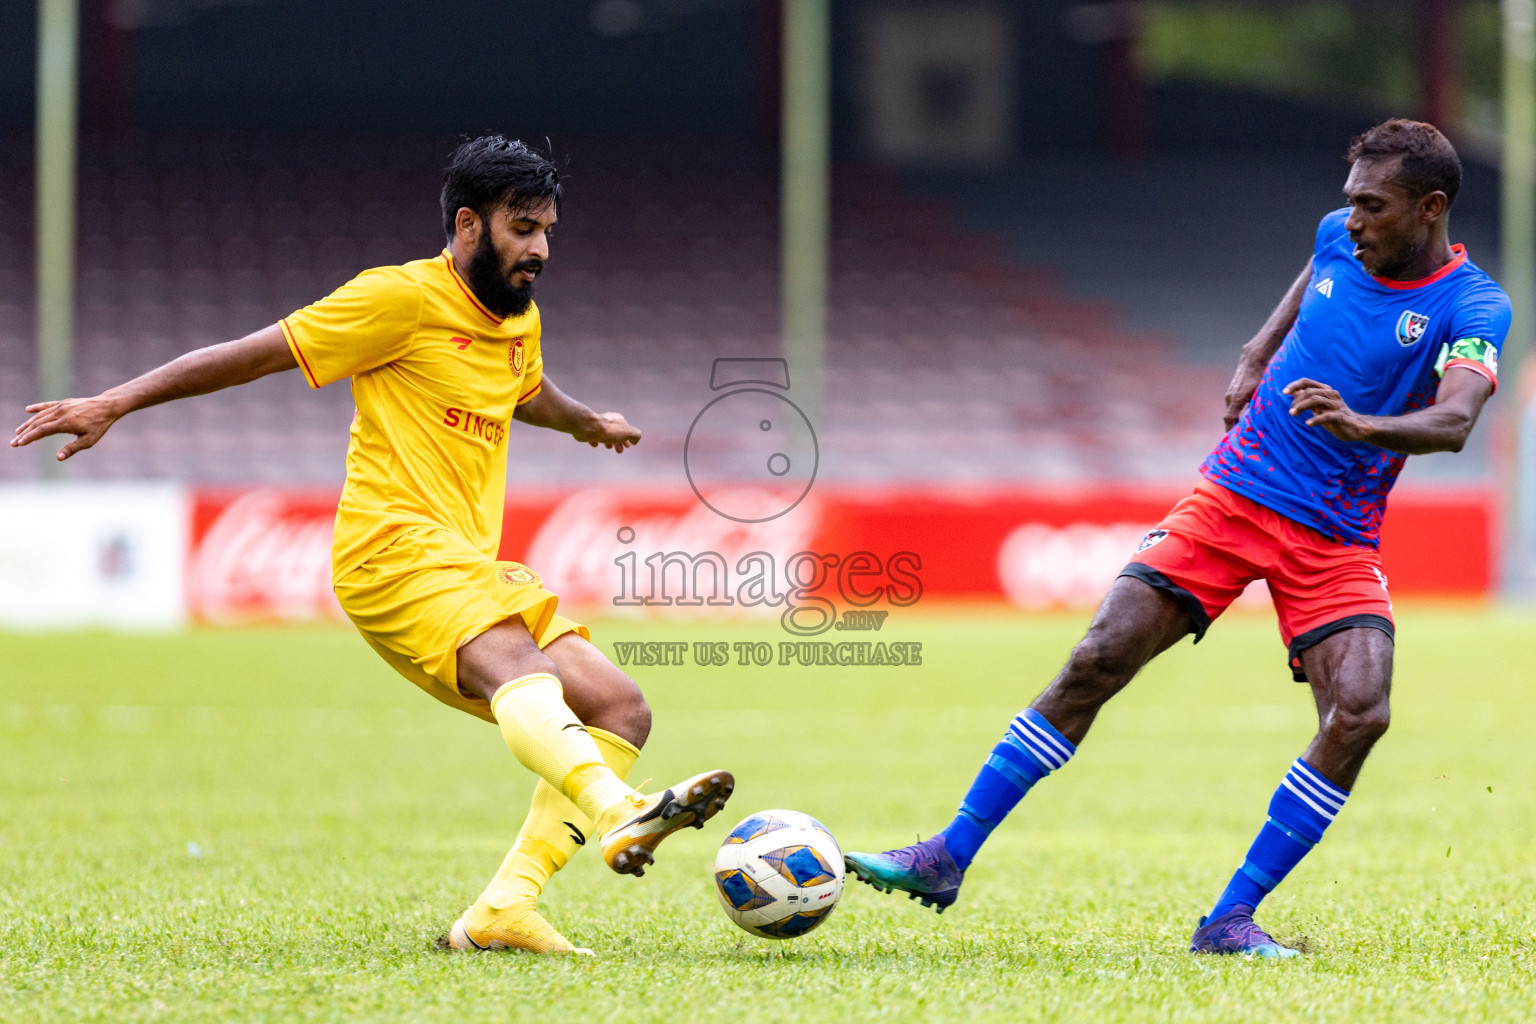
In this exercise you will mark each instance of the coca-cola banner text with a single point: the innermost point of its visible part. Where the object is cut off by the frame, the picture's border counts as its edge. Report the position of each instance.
(263, 554)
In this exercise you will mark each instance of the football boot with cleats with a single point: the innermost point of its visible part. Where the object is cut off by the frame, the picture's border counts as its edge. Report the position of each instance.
(629, 846)
(1235, 932)
(522, 928)
(924, 871)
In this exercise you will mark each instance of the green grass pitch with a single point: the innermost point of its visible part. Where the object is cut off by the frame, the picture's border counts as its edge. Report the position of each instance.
(268, 825)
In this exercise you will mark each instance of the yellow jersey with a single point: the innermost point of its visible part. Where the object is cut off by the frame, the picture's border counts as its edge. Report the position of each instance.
(436, 378)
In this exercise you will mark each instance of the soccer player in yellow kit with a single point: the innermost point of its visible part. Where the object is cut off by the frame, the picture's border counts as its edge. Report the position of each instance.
(443, 354)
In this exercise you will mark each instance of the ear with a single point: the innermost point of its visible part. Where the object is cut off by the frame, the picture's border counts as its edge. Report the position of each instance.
(466, 226)
(1432, 207)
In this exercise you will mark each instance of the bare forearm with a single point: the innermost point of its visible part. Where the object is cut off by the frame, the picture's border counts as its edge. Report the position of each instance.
(199, 372)
(1441, 427)
(196, 373)
(1263, 345)
(1261, 348)
(1435, 429)
(555, 410)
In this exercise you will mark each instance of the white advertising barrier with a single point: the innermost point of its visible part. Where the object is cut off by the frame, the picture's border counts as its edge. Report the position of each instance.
(1044, 566)
(1041, 565)
(92, 554)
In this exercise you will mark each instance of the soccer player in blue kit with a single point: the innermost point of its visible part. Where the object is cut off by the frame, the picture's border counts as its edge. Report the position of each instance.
(1386, 346)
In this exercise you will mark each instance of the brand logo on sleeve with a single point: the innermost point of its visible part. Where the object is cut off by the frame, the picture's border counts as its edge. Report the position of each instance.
(1325, 287)
(1411, 327)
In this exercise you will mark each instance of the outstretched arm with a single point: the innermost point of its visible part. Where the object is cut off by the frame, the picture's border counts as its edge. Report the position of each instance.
(556, 410)
(1262, 347)
(196, 373)
(1442, 427)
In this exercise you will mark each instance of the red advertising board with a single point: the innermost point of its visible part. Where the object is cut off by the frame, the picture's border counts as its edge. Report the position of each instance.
(263, 554)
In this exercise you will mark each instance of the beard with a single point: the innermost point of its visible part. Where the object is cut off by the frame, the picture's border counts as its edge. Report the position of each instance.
(1391, 265)
(483, 273)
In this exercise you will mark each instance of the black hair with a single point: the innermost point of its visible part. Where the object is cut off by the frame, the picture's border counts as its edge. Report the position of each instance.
(1430, 163)
(492, 171)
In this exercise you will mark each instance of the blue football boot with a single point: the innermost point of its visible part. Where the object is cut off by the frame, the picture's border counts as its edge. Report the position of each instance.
(925, 871)
(1235, 932)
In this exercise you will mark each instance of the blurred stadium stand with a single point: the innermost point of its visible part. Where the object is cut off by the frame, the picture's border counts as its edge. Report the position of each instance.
(946, 361)
(1067, 312)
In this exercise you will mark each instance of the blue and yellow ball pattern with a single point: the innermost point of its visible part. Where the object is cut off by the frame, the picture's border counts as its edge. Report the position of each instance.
(801, 865)
(779, 874)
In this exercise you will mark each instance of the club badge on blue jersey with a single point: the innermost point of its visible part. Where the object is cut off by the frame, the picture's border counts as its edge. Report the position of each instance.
(1384, 346)
(1411, 327)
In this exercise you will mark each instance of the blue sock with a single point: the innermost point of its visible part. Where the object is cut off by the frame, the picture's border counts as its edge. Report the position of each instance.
(1298, 813)
(1031, 749)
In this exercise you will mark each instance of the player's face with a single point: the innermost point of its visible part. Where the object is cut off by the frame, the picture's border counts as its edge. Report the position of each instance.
(1386, 220)
(508, 258)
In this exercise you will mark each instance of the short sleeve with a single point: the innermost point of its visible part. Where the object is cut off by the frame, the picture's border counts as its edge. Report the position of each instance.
(533, 363)
(1329, 229)
(1479, 326)
(367, 322)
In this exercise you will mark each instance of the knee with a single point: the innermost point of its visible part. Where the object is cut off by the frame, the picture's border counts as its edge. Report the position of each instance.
(1097, 669)
(1358, 726)
(531, 663)
(629, 713)
(605, 697)
(484, 681)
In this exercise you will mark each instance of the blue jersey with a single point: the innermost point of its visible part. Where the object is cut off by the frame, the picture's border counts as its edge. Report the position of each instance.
(1383, 345)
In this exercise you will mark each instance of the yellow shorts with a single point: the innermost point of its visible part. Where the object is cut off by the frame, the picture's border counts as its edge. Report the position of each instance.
(427, 593)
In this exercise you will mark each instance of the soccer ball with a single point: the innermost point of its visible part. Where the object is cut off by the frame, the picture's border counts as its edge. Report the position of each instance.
(779, 874)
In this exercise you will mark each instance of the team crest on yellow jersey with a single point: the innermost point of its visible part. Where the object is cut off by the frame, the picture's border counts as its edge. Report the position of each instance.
(515, 355)
(517, 575)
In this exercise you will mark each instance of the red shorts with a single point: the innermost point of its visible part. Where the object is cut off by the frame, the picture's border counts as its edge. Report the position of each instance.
(1215, 542)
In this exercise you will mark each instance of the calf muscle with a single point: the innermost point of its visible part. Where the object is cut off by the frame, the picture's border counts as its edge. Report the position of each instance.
(1135, 624)
(597, 692)
(1351, 674)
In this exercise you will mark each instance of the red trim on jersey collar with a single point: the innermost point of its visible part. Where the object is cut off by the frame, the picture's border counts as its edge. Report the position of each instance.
(454, 273)
(1458, 257)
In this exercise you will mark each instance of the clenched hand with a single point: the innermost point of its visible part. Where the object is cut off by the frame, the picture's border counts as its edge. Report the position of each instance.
(1327, 408)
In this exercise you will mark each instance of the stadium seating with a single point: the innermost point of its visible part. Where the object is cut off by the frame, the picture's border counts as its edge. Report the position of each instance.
(666, 259)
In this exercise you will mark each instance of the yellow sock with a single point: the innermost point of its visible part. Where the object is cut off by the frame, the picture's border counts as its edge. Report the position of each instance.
(547, 737)
(554, 830)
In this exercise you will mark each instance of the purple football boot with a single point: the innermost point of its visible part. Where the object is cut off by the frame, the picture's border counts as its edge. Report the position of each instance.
(1235, 932)
(925, 871)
